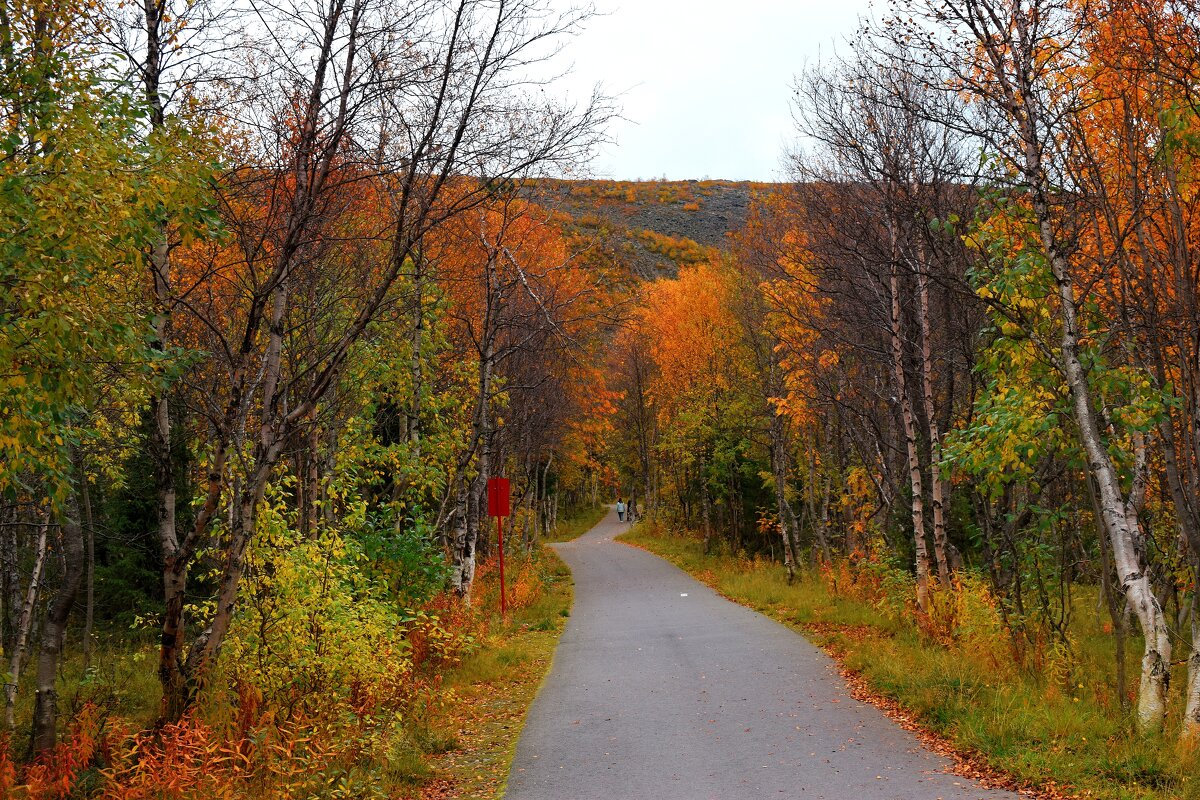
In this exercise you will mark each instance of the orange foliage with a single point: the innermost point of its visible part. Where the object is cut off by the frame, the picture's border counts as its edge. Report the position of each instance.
(795, 321)
(692, 337)
(590, 428)
(54, 773)
(514, 244)
(794, 301)
(444, 635)
(525, 586)
(1142, 145)
(510, 266)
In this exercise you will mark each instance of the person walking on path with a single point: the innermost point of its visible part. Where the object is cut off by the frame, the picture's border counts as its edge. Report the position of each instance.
(620, 510)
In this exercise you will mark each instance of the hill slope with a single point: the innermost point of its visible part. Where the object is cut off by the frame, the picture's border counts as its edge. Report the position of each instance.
(654, 227)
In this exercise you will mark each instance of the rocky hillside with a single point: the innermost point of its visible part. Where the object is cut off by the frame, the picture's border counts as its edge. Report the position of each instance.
(654, 227)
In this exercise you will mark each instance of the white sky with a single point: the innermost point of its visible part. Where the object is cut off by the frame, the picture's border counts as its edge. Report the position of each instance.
(704, 85)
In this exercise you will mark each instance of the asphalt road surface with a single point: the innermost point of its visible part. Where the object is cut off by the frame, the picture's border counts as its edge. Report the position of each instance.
(663, 690)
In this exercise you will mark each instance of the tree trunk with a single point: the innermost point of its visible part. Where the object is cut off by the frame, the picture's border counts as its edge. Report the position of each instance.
(90, 533)
(1012, 55)
(415, 366)
(45, 706)
(476, 510)
(10, 580)
(174, 575)
(547, 524)
(472, 506)
(900, 384)
(1191, 712)
(462, 575)
(170, 667)
(1114, 515)
(705, 509)
(183, 677)
(936, 484)
(16, 656)
(530, 533)
(206, 647)
(819, 505)
(311, 480)
(1189, 524)
(779, 466)
(1113, 605)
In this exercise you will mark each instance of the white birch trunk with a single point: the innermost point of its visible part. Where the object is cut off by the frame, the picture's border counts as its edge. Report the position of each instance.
(1191, 713)
(17, 657)
(1118, 523)
(1012, 57)
(910, 441)
(462, 573)
(936, 484)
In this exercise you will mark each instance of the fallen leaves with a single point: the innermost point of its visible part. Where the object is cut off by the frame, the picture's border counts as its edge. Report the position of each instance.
(856, 633)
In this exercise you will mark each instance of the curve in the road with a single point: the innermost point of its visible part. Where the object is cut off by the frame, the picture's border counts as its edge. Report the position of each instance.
(663, 690)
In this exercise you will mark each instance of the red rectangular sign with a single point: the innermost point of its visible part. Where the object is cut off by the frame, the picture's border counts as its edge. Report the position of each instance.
(498, 491)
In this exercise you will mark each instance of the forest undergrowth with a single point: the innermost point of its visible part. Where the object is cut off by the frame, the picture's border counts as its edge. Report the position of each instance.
(495, 686)
(1046, 716)
(424, 702)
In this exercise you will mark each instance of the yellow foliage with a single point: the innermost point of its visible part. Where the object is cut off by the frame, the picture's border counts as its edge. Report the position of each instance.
(313, 628)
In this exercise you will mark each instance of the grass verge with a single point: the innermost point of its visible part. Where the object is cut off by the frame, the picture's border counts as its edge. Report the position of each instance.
(1056, 731)
(578, 524)
(489, 694)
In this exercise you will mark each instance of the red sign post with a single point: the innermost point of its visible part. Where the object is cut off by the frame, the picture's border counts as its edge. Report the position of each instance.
(498, 494)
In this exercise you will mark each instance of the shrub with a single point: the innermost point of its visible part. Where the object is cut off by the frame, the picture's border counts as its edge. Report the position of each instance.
(964, 616)
(56, 773)
(312, 627)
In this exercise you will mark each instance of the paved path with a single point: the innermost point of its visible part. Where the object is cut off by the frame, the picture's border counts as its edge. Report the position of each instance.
(663, 690)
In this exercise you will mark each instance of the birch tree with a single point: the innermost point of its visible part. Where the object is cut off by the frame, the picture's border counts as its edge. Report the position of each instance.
(515, 290)
(417, 104)
(862, 114)
(1007, 57)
